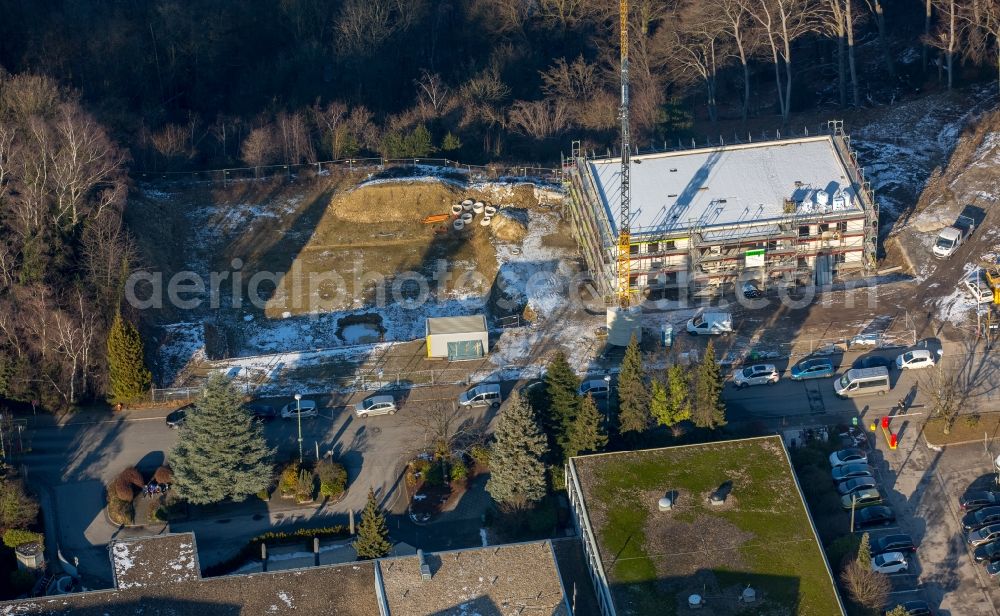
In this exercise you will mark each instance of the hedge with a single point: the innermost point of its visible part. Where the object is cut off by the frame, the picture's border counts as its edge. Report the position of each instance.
(252, 549)
(14, 537)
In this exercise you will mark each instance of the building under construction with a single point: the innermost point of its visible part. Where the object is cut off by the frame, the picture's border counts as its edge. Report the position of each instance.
(793, 212)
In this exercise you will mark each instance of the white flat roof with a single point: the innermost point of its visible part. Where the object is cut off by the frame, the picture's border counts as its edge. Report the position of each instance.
(472, 324)
(728, 185)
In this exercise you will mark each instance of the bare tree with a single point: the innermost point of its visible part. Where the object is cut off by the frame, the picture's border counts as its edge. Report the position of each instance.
(538, 119)
(364, 25)
(171, 142)
(433, 94)
(783, 22)
(837, 19)
(566, 14)
(875, 6)
(258, 147)
(698, 44)
(947, 391)
(746, 40)
(866, 587)
(983, 22)
(448, 430)
(295, 137)
(110, 255)
(945, 37)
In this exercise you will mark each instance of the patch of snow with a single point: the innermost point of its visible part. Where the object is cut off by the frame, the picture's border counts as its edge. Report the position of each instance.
(285, 598)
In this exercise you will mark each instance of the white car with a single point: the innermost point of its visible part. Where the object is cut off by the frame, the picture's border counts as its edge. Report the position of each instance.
(376, 405)
(911, 360)
(890, 562)
(308, 409)
(758, 374)
(594, 387)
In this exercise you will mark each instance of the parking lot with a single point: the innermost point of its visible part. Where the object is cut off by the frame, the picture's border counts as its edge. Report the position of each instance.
(923, 488)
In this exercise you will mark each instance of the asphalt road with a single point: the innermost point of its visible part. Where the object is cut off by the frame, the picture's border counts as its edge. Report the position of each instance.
(70, 463)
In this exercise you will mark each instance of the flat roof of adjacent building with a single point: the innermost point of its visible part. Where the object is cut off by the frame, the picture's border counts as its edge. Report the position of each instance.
(159, 559)
(503, 580)
(345, 590)
(472, 324)
(760, 536)
(676, 191)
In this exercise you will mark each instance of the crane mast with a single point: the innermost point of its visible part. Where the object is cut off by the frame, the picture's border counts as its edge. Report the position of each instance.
(624, 232)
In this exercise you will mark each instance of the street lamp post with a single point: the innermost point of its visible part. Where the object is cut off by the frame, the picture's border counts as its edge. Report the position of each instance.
(607, 403)
(298, 416)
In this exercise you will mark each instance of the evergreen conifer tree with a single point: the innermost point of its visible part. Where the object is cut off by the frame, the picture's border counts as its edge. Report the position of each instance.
(864, 557)
(451, 142)
(586, 435)
(561, 387)
(707, 408)
(128, 378)
(633, 394)
(373, 533)
(221, 452)
(517, 472)
(671, 400)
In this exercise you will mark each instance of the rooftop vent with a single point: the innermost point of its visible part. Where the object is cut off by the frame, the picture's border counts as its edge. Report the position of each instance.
(665, 504)
(749, 595)
(425, 569)
(695, 602)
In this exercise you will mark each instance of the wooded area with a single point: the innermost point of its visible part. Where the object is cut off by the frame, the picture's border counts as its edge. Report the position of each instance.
(91, 90)
(197, 84)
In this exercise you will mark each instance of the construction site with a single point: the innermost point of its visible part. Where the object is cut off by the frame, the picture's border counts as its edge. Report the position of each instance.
(702, 221)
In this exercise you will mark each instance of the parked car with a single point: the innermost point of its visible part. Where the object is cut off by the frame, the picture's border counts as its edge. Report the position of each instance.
(977, 286)
(993, 568)
(987, 552)
(751, 289)
(983, 535)
(890, 562)
(899, 542)
(848, 456)
(863, 382)
(856, 485)
(871, 361)
(376, 405)
(484, 394)
(595, 387)
(878, 515)
(912, 360)
(978, 499)
(176, 419)
(980, 518)
(533, 393)
(950, 238)
(299, 408)
(915, 607)
(816, 368)
(263, 412)
(861, 498)
(851, 471)
(758, 374)
(865, 340)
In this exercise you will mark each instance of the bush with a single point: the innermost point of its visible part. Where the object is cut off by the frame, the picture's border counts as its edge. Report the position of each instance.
(557, 477)
(121, 489)
(435, 474)
(120, 511)
(332, 478)
(459, 472)
(21, 582)
(163, 475)
(160, 514)
(264, 495)
(481, 454)
(14, 537)
(289, 479)
(304, 485)
(132, 476)
(252, 548)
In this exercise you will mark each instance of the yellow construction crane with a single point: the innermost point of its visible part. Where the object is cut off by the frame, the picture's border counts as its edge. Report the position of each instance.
(624, 265)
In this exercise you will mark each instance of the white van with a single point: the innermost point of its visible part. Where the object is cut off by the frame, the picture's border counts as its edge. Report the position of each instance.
(484, 394)
(862, 382)
(713, 323)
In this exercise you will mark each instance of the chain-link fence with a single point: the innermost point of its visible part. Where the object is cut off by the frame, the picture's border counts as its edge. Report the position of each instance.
(494, 172)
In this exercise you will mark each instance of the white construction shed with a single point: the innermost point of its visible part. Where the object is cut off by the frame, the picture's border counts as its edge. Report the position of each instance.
(457, 338)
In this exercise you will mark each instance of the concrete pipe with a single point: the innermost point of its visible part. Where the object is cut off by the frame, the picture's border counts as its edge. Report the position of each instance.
(485, 221)
(466, 217)
(468, 202)
(456, 209)
(477, 207)
(459, 224)
(489, 210)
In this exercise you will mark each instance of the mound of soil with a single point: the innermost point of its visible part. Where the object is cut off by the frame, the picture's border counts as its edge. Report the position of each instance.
(510, 224)
(401, 201)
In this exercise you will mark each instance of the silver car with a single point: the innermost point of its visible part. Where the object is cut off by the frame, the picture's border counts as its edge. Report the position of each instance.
(376, 405)
(759, 374)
